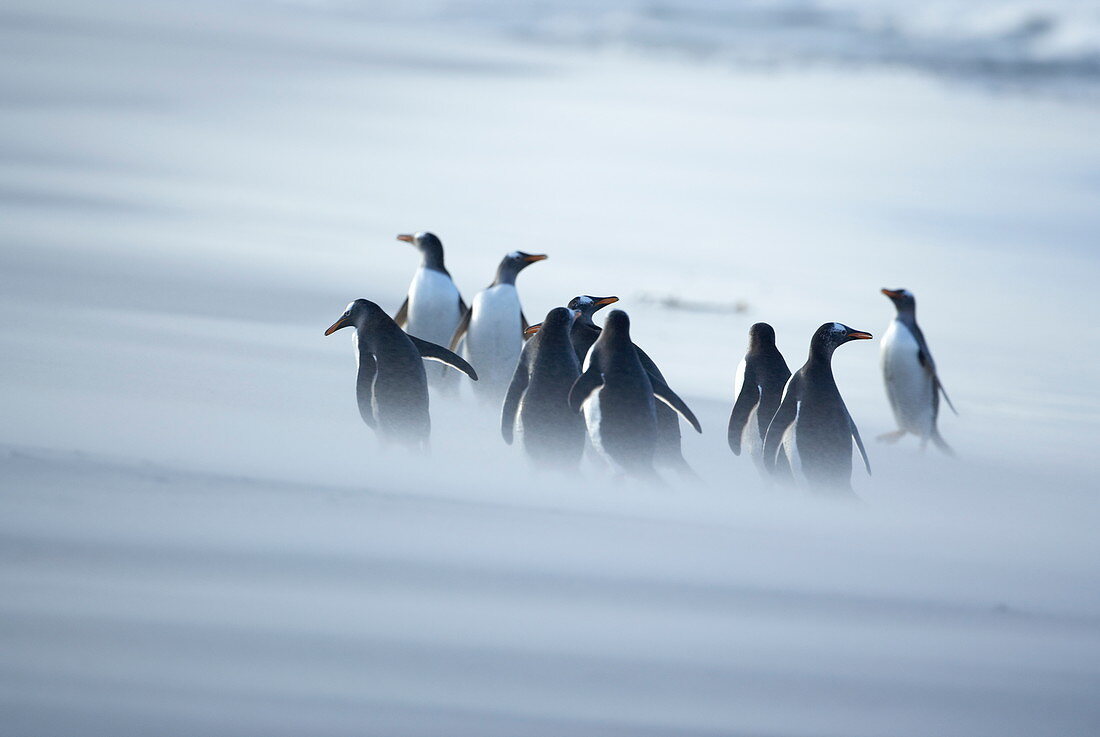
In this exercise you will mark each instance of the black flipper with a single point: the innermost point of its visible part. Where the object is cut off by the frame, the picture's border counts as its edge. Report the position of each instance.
(582, 388)
(649, 366)
(511, 400)
(402, 316)
(784, 416)
(364, 386)
(742, 408)
(859, 442)
(463, 324)
(433, 352)
(669, 397)
(669, 454)
(943, 391)
(925, 357)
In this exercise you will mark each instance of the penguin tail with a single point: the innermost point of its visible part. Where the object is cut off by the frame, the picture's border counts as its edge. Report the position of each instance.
(940, 443)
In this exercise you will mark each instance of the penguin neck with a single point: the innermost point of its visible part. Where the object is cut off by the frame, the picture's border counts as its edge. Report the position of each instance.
(558, 335)
(761, 348)
(366, 366)
(615, 338)
(583, 334)
(506, 274)
(821, 360)
(584, 323)
(362, 344)
(432, 260)
(907, 317)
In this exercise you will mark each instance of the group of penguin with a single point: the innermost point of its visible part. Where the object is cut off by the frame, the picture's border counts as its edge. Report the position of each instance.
(567, 383)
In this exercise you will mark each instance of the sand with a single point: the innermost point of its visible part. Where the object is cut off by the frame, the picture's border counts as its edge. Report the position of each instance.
(199, 535)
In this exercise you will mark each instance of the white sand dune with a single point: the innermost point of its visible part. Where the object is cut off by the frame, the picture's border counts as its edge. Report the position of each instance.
(199, 536)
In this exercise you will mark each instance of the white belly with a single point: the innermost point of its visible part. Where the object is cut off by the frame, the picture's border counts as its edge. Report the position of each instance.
(739, 379)
(587, 358)
(592, 416)
(908, 384)
(433, 307)
(517, 423)
(790, 447)
(494, 337)
(751, 442)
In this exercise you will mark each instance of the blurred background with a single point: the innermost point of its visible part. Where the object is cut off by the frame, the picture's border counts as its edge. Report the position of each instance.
(198, 534)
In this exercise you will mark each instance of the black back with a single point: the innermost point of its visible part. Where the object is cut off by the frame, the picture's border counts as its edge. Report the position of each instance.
(391, 385)
(553, 434)
(396, 386)
(823, 426)
(628, 411)
(766, 374)
(584, 334)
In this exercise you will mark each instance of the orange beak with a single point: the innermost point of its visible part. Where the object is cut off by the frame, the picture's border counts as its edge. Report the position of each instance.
(892, 293)
(532, 329)
(405, 237)
(606, 301)
(859, 335)
(341, 323)
(535, 257)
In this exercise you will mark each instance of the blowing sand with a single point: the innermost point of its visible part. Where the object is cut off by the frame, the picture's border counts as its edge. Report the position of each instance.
(199, 536)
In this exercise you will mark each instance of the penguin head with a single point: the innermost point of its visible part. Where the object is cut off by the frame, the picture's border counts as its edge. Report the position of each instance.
(616, 326)
(903, 299)
(357, 315)
(513, 263)
(587, 305)
(559, 318)
(834, 334)
(562, 317)
(761, 335)
(430, 247)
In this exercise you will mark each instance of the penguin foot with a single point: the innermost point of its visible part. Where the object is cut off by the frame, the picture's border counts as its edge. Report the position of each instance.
(891, 437)
(942, 445)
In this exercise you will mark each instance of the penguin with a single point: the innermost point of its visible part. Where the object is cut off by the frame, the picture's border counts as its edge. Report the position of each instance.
(912, 384)
(537, 403)
(584, 334)
(493, 327)
(812, 427)
(433, 306)
(584, 331)
(392, 387)
(757, 390)
(618, 396)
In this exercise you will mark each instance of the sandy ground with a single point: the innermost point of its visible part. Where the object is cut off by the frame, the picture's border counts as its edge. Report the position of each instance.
(198, 535)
